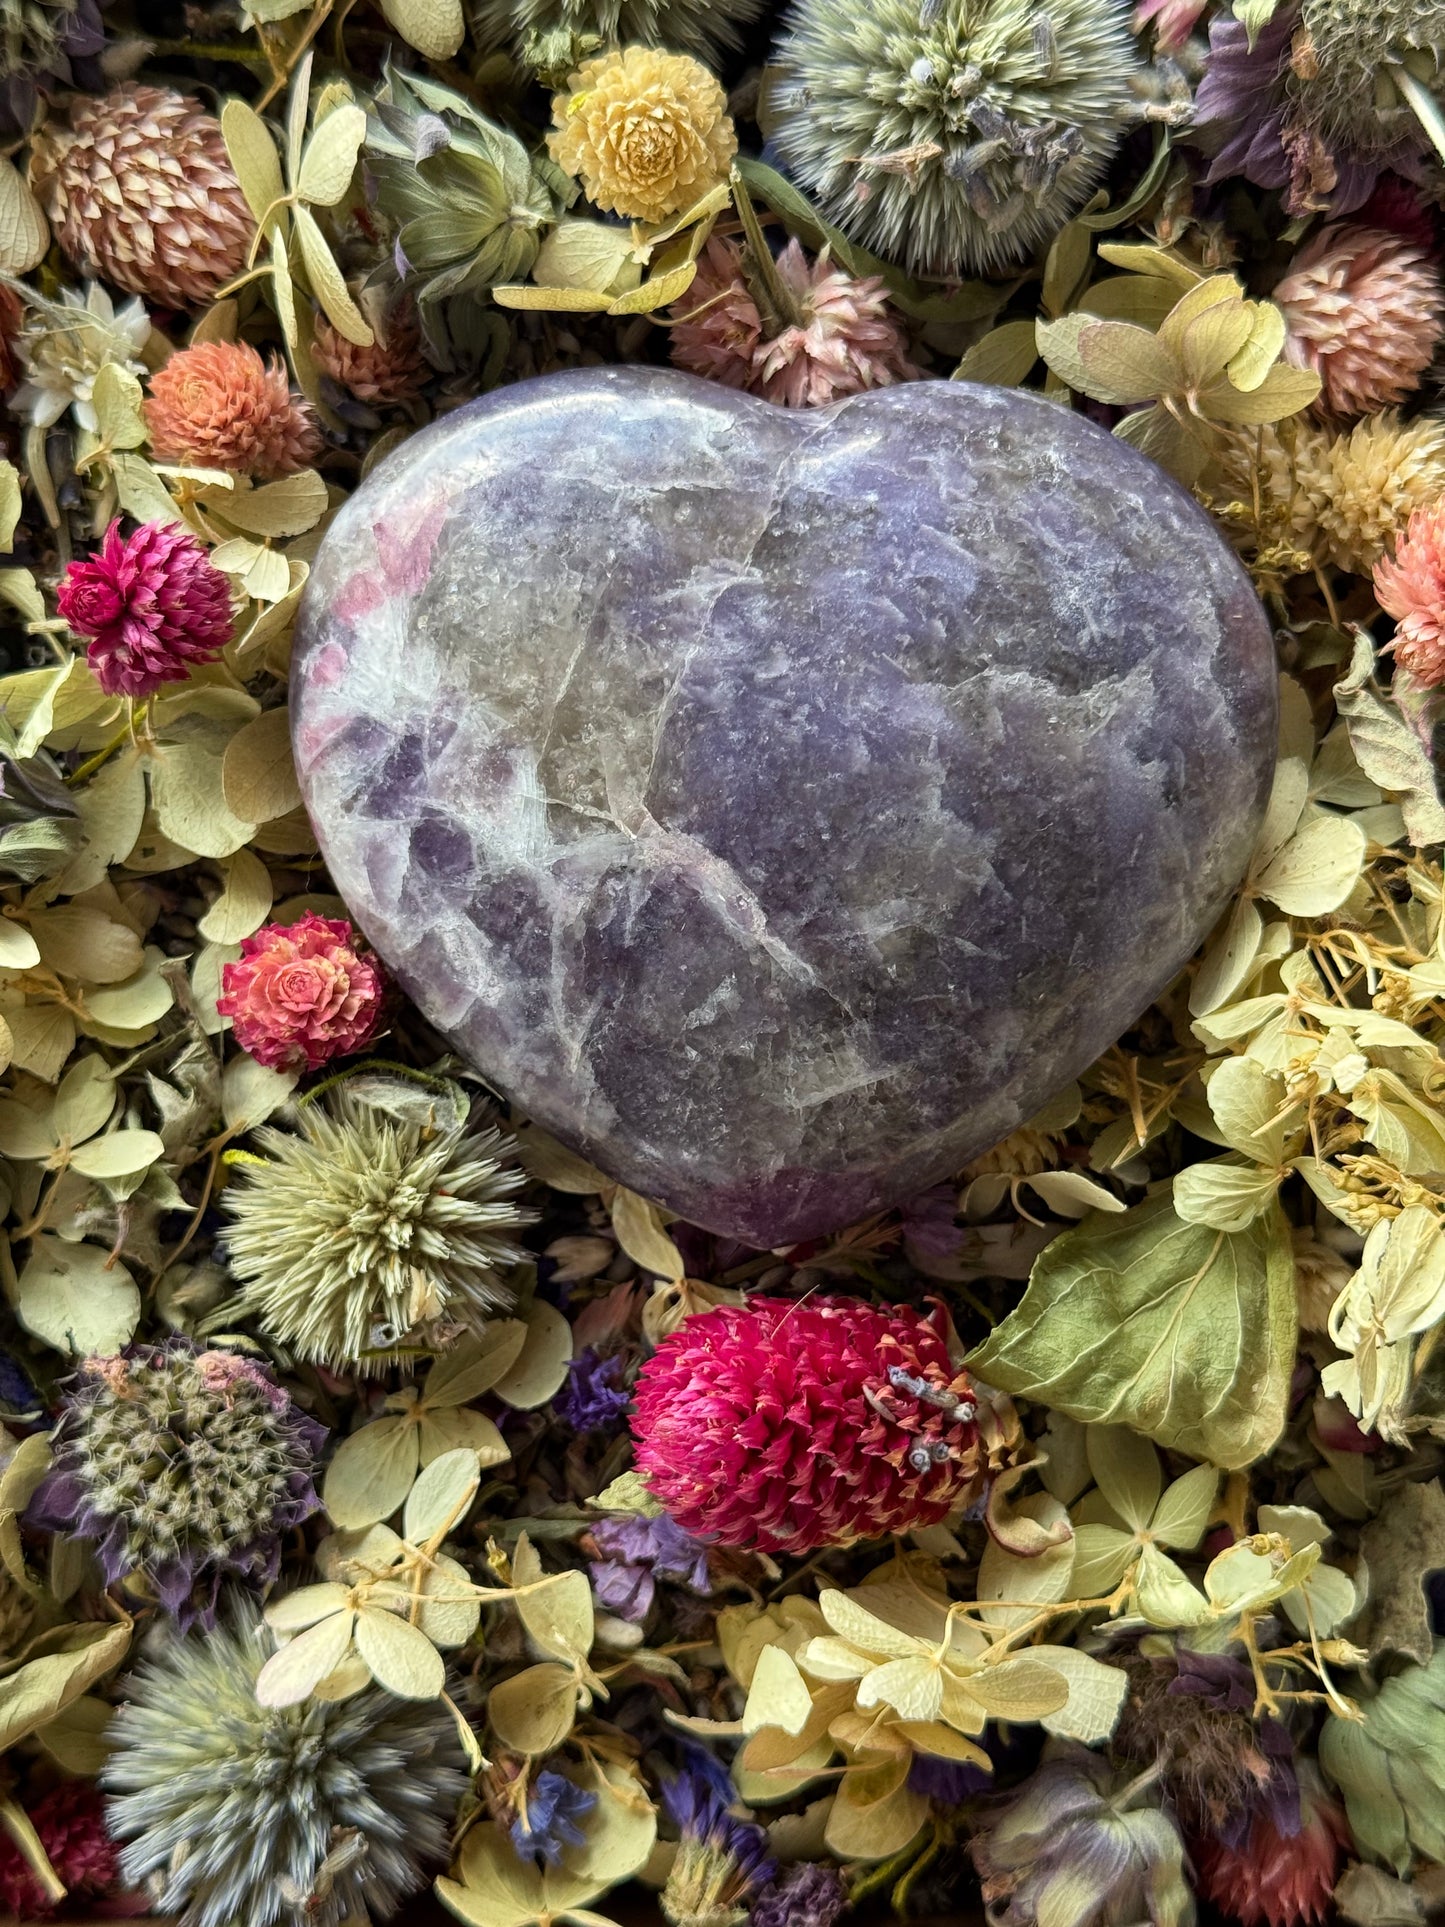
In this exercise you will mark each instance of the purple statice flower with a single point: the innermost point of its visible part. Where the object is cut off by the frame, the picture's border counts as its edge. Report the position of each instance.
(807, 1895)
(1252, 116)
(184, 1467)
(546, 1823)
(721, 1859)
(594, 1396)
(635, 1552)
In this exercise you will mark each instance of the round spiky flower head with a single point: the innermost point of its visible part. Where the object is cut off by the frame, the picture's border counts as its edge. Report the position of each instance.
(140, 191)
(951, 135)
(554, 35)
(1346, 57)
(362, 1235)
(790, 1426)
(646, 133)
(219, 405)
(184, 1466)
(257, 1816)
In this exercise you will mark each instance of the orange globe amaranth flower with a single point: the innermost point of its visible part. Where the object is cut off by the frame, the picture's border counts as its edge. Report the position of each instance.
(219, 405)
(1365, 309)
(646, 133)
(1411, 588)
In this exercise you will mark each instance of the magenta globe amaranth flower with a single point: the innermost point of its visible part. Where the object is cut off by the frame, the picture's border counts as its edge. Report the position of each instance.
(152, 605)
(183, 1466)
(789, 1426)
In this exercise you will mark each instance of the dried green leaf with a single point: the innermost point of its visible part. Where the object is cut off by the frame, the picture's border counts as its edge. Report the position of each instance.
(439, 1500)
(328, 283)
(253, 155)
(76, 1297)
(24, 234)
(542, 1362)
(37, 1692)
(329, 158)
(371, 1473)
(1184, 1333)
(534, 1710)
(258, 772)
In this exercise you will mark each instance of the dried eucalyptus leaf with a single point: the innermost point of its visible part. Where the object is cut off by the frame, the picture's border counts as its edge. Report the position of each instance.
(542, 1363)
(77, 1298)
(328, 283)
(37, 1692)
(638, 1225)
(329, 158)
(258, 772)
(558, 1614)
(371, 1473)
(534, 1710)
(439, 1500)
(401, 1657)
(1184, 1333)
(253, 155)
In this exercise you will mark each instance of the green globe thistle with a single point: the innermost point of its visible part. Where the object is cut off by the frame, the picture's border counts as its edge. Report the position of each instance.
(254, 1816)
(555, 36)
(1347, 60)
(183, 1467)
(951, 136)
(364, 1235)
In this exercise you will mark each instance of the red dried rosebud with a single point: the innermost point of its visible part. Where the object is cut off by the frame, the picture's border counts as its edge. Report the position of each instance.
(788, 1426)
(219, 405)
(1275, 1879)
(153, 604)
(301, 994)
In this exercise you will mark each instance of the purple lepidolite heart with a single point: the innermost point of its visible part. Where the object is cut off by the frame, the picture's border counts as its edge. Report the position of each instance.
(779, 807)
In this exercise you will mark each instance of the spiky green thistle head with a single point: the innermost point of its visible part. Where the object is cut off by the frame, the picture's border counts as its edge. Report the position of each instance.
(254, 1816)
(363, 1235)
(555, 36)
(951, 136)
(1341, 77)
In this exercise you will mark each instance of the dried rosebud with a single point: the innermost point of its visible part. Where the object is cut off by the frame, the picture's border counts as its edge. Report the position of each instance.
(301, 994)
(790, 1426)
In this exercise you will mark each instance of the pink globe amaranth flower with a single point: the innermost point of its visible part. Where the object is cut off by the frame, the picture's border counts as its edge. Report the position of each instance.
(845, 339)
(786, 1426)
(152, 605)
(70, 1821)
(301, 994)
(1365, 309)
(1276, 1878)
(1411, 588)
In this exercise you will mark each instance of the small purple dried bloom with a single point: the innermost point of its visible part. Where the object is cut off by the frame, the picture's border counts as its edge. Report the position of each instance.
(949, 1782)
(547, 1822)
(808, 1895)
(635, 1551)
(721, 1860)
(184, 1467)
(594, 1396)
(1255, 124)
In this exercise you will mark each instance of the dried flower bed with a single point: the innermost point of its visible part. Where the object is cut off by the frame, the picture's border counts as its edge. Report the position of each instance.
(389, 1498)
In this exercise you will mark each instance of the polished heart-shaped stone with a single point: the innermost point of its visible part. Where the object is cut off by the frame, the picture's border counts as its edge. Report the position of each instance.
(779, 807)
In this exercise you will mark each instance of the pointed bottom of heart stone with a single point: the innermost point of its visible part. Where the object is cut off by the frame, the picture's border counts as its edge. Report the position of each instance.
(779, 806)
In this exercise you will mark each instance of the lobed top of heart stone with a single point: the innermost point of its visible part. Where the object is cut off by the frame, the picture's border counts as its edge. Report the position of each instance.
(779, 807)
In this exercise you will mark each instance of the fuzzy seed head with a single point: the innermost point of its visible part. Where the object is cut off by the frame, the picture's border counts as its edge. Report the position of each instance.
(957, 137)
(359, 1236)
(141, 192)
(557, 34)
(1339, 77)
(1365, 310)
(183, 1466)
(252, 1816)
(791, 1426)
